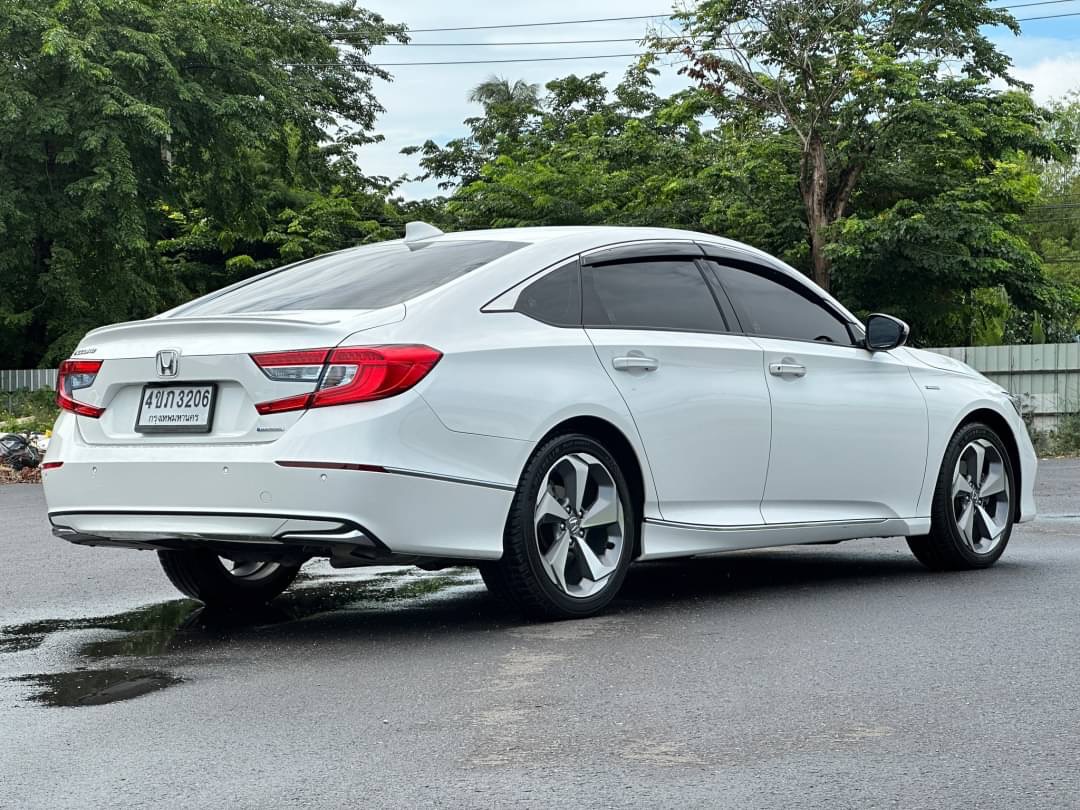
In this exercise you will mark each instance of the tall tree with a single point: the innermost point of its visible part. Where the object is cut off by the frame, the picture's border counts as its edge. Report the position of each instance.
(837, 76)
(115, 113)
(507, 109)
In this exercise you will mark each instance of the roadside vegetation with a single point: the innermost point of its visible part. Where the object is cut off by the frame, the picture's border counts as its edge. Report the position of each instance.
(28, 411)
(151, 152)
(1063, 440)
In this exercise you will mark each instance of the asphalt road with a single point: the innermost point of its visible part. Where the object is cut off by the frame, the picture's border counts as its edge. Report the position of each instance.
(828, 676)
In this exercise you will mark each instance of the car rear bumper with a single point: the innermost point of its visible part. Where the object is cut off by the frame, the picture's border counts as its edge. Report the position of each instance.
(396, 483)
(174, 505)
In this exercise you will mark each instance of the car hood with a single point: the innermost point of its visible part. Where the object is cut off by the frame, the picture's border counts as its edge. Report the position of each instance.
(942, 362)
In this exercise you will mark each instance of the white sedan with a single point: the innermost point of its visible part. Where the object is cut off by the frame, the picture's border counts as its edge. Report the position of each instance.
(548, 404)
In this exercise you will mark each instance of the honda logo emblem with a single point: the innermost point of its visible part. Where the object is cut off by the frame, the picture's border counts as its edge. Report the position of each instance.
(168, 363)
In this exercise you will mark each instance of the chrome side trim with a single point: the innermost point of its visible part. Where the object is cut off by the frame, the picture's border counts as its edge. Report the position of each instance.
(810, 524)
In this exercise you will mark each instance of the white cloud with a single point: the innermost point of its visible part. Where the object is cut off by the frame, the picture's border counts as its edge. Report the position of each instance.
(1052, 77)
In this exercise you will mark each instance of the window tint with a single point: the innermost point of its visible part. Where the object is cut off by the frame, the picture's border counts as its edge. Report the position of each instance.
(555, 298)
(649, 295)
(361, 278)
(771, 306)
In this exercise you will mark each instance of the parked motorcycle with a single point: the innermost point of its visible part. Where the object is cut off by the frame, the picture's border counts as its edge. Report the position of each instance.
(18, 452)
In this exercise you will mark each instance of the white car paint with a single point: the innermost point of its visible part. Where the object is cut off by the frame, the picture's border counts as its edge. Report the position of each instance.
(730, 455)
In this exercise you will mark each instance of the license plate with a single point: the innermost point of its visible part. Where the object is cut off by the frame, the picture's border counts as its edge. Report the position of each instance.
(176, 408)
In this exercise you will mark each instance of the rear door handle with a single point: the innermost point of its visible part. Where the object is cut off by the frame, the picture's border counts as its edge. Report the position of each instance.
(787, 368)
(635, 362)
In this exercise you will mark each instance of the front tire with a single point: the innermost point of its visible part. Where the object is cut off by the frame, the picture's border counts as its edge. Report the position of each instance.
(221, 583)
(972, 513)
(570, 534)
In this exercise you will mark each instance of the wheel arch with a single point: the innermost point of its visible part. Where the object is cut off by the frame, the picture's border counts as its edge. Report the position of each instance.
(620, 446)
(1000, 425)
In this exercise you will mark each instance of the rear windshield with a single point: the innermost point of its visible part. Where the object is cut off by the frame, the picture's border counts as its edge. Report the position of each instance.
(360, 278)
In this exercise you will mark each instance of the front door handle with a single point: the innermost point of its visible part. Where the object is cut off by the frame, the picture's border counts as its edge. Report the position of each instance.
(787, 368)
(635, 362)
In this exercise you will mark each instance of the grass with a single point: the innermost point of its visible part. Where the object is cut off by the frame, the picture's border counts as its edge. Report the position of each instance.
(27, 411)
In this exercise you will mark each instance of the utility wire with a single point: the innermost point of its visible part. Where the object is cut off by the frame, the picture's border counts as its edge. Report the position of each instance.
(540, 24)
(633, 17)
(533, 42)
(1039, 3)
(1048, 17)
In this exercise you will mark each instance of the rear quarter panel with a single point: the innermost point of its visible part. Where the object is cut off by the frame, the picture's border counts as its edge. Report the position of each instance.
(506, 375)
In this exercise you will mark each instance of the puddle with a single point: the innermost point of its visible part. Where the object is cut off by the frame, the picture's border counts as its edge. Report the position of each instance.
(96, 687)
(158, 630)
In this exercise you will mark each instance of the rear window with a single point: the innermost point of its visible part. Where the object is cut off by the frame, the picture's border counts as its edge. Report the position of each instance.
(361, 278)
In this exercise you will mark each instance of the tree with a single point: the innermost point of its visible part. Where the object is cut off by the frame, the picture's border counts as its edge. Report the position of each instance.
(838, 77)
(118, 116)
(507, 107)
(937, 233)
(936, 229)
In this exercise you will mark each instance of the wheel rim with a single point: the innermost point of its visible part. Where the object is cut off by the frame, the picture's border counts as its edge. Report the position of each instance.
(579, 525)
(980, 496)
(249, 571)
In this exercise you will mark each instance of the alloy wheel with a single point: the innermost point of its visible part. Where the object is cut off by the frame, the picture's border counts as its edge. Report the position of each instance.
(249, 571)
(579, 524)
(980, 496)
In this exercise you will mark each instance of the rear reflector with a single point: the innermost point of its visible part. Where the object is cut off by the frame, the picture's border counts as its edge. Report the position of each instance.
(345, 375)
(331, 465)
(52, 465)
(72, 376)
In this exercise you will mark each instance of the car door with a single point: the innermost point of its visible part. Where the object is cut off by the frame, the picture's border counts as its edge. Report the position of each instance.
(849, 426)
(693, 386)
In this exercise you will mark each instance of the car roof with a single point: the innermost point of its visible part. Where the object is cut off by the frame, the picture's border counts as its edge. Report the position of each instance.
(582, 238)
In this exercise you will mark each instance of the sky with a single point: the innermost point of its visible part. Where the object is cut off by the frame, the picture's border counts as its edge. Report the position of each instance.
(430, 101)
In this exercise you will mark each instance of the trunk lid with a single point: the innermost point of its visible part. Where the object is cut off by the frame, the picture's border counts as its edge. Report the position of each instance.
(210, 351)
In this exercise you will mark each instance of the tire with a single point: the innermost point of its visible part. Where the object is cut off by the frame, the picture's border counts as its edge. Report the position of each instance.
(203, 575)
(595, 558)
(950, 546)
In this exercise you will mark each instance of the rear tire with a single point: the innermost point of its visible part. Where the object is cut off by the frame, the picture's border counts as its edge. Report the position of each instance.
(570, 534)
(972, 512)
(204, 576)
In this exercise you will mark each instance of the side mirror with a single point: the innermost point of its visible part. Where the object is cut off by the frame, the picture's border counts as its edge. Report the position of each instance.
(884, 332)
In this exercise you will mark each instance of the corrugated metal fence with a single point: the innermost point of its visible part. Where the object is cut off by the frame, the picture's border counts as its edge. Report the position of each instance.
(1047, 376)
(27, 379)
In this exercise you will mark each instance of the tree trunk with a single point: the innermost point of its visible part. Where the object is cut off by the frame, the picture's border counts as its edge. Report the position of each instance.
(815, 191)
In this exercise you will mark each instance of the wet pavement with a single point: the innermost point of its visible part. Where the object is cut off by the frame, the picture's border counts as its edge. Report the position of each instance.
(828, 676)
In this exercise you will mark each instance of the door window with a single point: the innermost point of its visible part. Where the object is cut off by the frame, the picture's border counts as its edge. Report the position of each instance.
(771, 305)
(653, 294)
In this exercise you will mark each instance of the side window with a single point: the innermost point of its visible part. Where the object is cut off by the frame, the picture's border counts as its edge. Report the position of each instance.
(555, 298)
(654, 294)
(770, 306)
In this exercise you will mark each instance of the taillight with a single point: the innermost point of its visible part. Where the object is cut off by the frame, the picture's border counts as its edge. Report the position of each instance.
(345, 375)
(72, 376)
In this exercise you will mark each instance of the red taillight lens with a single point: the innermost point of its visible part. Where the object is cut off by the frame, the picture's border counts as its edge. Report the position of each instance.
(72, 376)
(346, 375)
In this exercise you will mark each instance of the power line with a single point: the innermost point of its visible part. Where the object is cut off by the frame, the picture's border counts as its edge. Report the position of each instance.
(503, 61)
(1048, 17)
(1039, 3)
(533, 42)
(641, 17)
(540, 24)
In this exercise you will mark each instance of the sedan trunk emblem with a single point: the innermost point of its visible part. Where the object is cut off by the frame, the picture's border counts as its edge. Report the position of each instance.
(168, 363)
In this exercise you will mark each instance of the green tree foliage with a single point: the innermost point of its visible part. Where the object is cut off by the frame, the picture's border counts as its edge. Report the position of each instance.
(934, 229)
(838, 77)
(126, 122)
(1054, 221)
